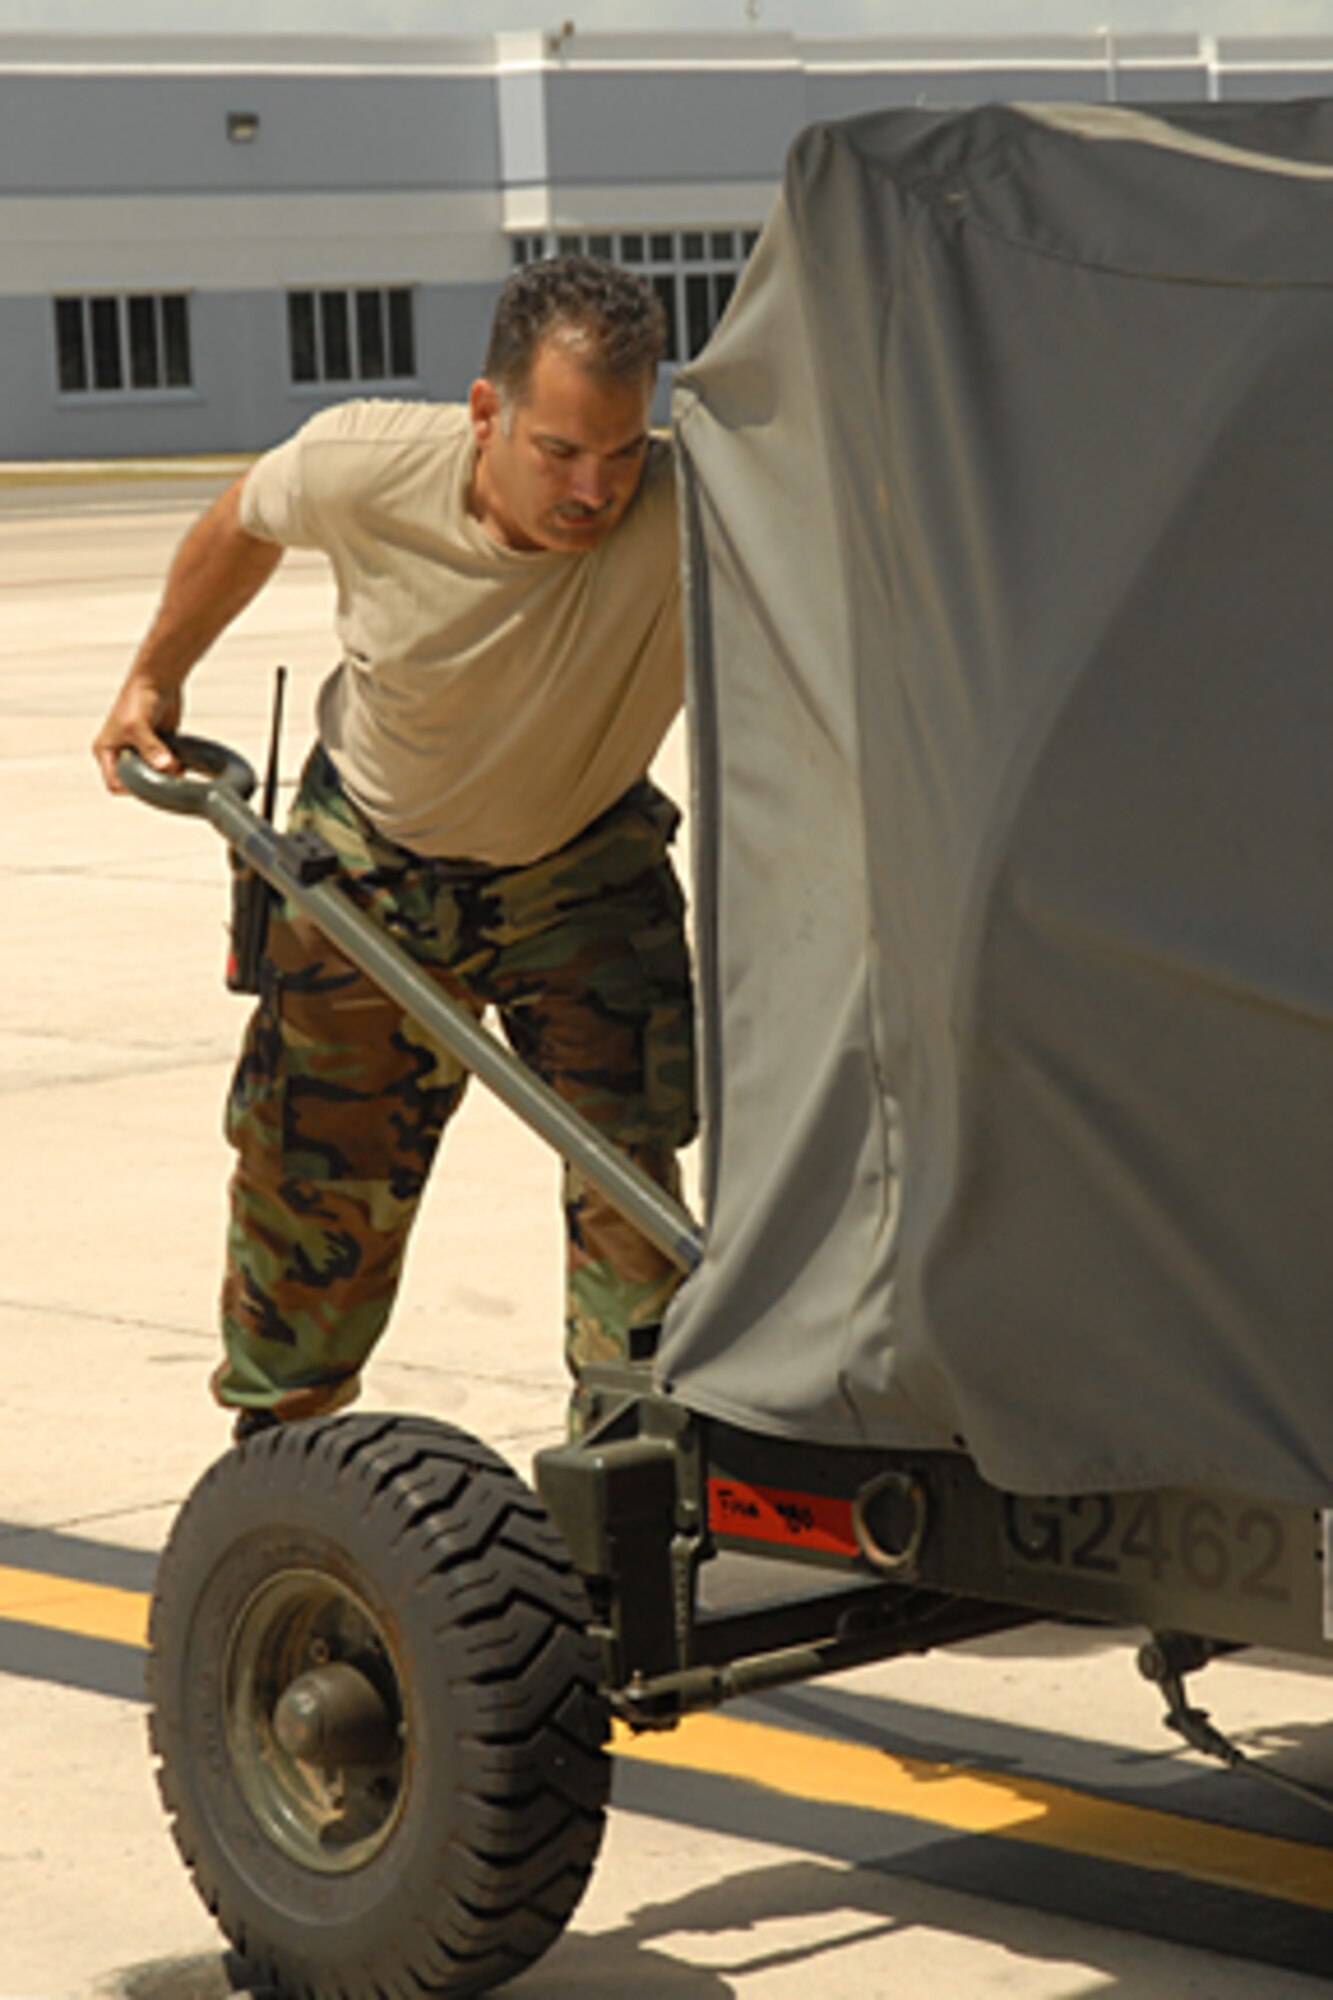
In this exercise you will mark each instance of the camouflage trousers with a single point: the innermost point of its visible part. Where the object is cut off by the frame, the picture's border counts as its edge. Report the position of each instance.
(339, 1102)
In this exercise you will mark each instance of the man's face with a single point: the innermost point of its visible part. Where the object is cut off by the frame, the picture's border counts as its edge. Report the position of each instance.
(560, 472)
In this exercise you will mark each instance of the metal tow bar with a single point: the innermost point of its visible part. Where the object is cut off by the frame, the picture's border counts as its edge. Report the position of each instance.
(304, 870)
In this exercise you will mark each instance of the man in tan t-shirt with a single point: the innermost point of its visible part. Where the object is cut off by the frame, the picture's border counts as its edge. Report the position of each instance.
(509, 619)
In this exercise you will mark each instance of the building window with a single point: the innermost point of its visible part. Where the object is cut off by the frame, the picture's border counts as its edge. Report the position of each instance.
(134, 342)
(693, 271)
(362, 335)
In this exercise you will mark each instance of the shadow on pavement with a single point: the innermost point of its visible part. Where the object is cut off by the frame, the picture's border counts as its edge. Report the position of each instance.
(744, 1926)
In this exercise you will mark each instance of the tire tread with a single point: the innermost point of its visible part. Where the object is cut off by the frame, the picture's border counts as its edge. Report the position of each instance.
(504, 1601)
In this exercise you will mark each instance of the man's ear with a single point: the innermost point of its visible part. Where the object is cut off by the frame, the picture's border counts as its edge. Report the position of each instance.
(484, 406)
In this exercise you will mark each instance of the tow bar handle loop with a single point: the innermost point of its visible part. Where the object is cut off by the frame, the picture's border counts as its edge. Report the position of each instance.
(215, 762)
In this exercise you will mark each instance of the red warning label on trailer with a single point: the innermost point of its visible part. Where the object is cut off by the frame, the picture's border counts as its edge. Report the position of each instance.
(794, 1520)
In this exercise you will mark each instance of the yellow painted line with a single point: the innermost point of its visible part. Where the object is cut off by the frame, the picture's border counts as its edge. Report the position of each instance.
(826, 1772)
(93, 1610)
(987, 1802)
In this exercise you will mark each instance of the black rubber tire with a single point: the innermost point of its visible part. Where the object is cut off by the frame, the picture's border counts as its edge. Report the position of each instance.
(502, 1783)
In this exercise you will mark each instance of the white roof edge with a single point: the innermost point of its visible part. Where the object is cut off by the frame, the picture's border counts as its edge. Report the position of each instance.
(1011, 48)
(47, 50)
(573, 49)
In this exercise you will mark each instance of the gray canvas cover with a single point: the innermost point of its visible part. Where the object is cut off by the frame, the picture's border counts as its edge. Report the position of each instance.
(1007, 487)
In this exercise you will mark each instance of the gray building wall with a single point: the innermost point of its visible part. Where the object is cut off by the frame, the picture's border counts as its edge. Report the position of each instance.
(1271, 83)
(112, 133)
(118, 179)
(242, 400)
(626, 128)
(417, 164)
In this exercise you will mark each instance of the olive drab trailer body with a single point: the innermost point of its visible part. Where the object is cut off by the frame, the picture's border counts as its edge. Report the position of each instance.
(1005, 487)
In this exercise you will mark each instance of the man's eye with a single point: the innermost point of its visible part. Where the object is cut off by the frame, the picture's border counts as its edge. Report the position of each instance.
(557, 450)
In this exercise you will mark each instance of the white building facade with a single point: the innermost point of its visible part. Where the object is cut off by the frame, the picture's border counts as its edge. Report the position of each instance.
(199, 245)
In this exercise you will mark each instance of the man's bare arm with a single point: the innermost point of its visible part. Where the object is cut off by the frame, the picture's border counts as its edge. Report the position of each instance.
(216, 571)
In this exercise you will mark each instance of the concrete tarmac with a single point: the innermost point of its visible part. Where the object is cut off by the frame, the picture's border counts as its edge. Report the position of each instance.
(758, 1863)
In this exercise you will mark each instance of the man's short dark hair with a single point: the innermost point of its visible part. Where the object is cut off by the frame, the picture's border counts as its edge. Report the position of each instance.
(612, 318)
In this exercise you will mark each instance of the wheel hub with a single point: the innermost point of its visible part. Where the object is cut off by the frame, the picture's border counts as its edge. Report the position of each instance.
(334, 1715)
(315, 1720)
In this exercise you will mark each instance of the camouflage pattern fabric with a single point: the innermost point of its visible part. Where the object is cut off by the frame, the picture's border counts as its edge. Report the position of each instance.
(338, 1102)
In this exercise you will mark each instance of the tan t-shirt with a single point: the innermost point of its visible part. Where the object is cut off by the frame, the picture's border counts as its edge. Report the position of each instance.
(490, 701)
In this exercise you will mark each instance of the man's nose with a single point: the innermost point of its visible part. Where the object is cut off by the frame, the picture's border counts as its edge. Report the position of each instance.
(591, 483)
